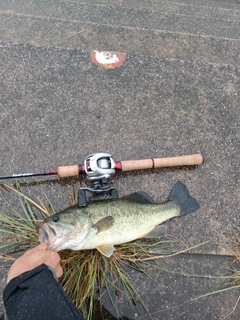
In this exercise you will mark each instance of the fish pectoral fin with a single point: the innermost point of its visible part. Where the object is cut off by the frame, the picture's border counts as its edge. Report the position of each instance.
(157, 232)
(104, 224)
(106, 249)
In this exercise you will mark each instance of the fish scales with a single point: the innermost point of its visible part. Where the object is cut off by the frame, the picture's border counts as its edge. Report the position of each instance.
(132, 220)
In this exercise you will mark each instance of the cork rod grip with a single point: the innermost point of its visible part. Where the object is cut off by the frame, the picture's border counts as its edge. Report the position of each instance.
(68, 171)
(187, 160)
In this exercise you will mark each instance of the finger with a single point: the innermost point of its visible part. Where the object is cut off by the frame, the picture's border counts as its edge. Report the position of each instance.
(53, 256)
(41, 246)
(47, 246)
(59, 272)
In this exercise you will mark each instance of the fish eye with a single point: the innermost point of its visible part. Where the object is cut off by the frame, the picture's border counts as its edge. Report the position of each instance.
(55, 218)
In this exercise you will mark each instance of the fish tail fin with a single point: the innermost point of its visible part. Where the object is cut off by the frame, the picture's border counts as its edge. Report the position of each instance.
(180, 195)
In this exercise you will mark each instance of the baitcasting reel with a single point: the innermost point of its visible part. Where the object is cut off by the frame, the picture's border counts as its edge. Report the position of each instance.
(99, 168)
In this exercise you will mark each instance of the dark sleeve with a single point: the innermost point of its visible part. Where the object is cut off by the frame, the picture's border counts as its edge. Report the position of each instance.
(36, 295)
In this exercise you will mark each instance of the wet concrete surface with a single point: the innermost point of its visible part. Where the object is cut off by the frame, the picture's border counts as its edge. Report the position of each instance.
(177, 93)
(167, 295)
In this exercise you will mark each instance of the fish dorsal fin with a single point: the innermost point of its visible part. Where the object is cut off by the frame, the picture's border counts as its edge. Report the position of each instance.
(139, 196)
(106, 249)
(104, 224)
(157, 232)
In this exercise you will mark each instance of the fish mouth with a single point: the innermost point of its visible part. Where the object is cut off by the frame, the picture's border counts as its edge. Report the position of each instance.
(43, 233)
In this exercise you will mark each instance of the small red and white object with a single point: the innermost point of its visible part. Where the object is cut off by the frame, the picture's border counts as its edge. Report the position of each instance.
(108, 59)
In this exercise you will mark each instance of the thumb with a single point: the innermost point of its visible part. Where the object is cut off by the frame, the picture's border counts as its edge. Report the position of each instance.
(41, 246)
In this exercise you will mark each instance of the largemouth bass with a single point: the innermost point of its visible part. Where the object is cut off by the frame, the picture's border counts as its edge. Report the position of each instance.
(105, 223)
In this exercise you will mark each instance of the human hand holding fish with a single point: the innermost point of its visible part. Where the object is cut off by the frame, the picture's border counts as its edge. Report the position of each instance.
(105, 223)
(34, 258)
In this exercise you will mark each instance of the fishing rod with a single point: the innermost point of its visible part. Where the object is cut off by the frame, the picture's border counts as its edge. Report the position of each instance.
(102, 163)
(100, 167)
